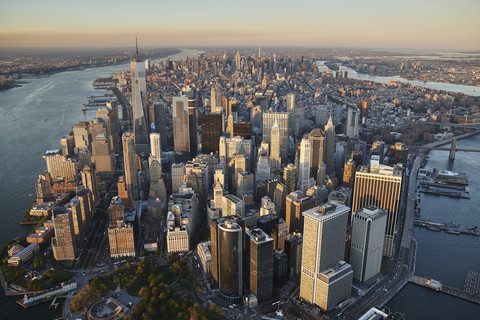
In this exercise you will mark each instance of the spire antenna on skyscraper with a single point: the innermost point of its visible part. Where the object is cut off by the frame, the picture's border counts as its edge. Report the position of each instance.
(136, 49)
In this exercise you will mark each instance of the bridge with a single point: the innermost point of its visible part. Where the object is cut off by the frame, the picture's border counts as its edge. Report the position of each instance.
(474, 126)
(453, 148)
(470, 295)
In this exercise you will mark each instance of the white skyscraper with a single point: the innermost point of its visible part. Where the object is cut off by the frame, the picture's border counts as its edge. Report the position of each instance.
(304, 181)
(181, 128)
(330, 146)
(268, 121)
(275, 159)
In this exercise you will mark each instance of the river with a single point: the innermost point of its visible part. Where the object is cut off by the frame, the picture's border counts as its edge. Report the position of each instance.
(24, 138)
(442, 256)
(449, 87)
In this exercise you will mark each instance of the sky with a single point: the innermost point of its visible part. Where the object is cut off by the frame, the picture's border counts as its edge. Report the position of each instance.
(423, 24)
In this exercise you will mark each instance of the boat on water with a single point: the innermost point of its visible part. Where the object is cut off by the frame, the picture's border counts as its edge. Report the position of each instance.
(45, 118)
(452, 231)
(433, 229)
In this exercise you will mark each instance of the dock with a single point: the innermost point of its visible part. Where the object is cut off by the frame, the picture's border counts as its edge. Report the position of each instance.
(439, 287)
(454, 194)
(446, 227)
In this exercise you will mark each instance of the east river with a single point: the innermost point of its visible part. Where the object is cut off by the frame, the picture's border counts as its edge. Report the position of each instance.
(35, 116)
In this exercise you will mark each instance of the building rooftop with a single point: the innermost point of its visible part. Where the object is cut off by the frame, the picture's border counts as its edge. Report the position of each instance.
(258, 236)
(335, 271)
(326, 210)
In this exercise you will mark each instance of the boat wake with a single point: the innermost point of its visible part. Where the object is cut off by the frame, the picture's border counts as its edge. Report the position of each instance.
(40, 91)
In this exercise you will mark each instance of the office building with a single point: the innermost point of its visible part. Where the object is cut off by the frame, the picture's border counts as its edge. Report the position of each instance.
(178, 173)
(317, 143)
(61, 167)
(130, 165)
(204, 253)
(139, 98)
(68, 145)
(227, 256)
(155, 147)
(323, 248)
(64, 244)
(181, 127)
(304, 180)
(231, 205)
(275, 146)
(330, 146)
(353, 119)
(260, 248)
(211, 130)
(74, 207)
(368, 230)
(293, 249)
(102, 156)
(289, 177)
(268, 121)
(81, 135)
(349, 173)
(379, 186)
(291, 113)
(296, 203)
(89, 181)
(121, 239)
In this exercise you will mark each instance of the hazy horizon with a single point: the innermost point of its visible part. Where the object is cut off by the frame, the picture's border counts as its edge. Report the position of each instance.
(375, 24)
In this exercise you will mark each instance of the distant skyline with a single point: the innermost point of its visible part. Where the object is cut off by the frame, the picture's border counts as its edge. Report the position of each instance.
(427, 24)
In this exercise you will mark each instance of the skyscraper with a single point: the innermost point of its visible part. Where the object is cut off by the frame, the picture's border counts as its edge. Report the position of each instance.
(192, 124)
(291, 113)
(353, 116)
(260, 251)
(64, 244)
(304, 180)
(296, 203)
(181, 128)
(317, 142)
(232, 205)
(61, 167)
(89, 180)
(379, 186)
(130, 164)
(368, 230)
(178, 173)
(275, 140)
(330, 146)
(155, 146)
(268, 121)
(349, 173)
(211, 130)
(227, 255)
(139, 96)
(326, 279)
(289, 177)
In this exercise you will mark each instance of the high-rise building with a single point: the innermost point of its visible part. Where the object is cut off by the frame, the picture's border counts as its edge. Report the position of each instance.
(268, 122)
(232, 205)
(317, 142)
(321, 118)
(139, 98)
(64, 244)
(155, 147)
(74, 207)
(260, 249)
(216, 99)
(121, 239)
(349, 173)
(330, 146)
(61, 167)
(368, 230)
(289, 177)
(68, 145)
(130, 164)
(326, 279)
(109, 114)
(299, 117)
(304, 180)
(291, 112)
(379, 186)
(43, 185)
(102, 155)
(296, 203)
(87, 206)
(242, 129)
(178, 174)
(227, 255)
(237, 60)
(89, 181)
(157, 182)
(81, 134)
(353, 116)
(275, 146)
(211, 130)
(192, 124)
(181, 128)
(293, 248)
